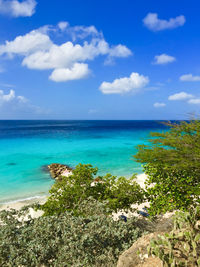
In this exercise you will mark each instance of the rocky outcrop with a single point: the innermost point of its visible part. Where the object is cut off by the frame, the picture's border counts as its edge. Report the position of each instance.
(136, 256)
(58, 170)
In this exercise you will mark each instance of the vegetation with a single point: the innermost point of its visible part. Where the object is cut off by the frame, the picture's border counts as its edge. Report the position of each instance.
(65, 240)
(172, 163)
(181, 247)
(77, 228)
(67, 193)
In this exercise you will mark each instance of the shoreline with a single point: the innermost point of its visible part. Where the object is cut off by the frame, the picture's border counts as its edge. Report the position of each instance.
(19, 203)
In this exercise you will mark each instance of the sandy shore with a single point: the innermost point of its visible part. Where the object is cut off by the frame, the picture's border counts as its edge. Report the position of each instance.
(19, 204)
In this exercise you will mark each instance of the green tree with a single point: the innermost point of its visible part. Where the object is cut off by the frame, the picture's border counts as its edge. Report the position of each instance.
(172, 163)
(67, 193)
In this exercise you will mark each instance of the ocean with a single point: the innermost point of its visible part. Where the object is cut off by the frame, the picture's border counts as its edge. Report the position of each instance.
(26, 147)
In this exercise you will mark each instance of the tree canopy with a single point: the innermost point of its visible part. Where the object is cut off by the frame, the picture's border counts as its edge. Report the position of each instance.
(172, 163)
(68, 192)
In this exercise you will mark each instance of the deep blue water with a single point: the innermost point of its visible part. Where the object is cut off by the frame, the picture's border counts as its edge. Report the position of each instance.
(26, 146)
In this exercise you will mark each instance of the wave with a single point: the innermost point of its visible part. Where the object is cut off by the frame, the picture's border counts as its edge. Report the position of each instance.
(22, 199)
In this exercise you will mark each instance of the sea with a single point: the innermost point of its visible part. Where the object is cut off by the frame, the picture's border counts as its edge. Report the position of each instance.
(27, 147)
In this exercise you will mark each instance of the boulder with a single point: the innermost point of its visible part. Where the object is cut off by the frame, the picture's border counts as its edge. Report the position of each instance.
(136, 255)
(58, 170)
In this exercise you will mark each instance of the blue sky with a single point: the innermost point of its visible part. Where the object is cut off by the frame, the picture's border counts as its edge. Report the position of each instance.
(99, 59)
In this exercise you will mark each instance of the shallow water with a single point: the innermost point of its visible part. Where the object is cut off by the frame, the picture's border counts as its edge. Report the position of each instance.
(26, 146)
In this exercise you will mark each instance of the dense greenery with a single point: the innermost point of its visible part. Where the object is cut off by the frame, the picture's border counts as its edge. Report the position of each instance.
(67, 193)
(77, 228)
(172, 163)
(65, 240)
(181, 247)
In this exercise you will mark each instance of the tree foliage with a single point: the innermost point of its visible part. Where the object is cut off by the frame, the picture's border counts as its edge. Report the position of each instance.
(94, 239)
(172, 163)
(67, 193)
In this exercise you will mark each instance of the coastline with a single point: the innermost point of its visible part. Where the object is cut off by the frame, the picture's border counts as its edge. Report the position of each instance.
(18, 204)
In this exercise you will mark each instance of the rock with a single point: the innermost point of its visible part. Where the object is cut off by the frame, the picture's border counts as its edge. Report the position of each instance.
(58, 170)
(131, 257)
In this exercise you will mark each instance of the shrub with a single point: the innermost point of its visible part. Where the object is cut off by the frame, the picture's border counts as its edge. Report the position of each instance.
(65, 240)
(172, 163)
(181, 247)
(68, 192)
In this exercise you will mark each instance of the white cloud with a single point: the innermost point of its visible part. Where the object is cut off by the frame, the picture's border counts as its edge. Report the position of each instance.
(16, 8)
(12, 104)
(124, 85)
(180, 96)
(39, 52)
(11, 96)
(163, 59)
(78, 71)
(189, 78)
(63, 25)
(152, 22)
(6, 98)
(82, 32)
(26, 44)
(119, 51)
(65, 55)
(159, 105)
(194, 101)
(22, 99)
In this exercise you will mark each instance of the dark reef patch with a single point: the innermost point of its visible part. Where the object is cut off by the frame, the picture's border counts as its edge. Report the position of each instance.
(11, 164)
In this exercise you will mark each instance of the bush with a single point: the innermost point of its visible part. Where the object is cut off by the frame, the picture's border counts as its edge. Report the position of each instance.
(172, 163)
(181, 247)
(65, 240)
(67, 193)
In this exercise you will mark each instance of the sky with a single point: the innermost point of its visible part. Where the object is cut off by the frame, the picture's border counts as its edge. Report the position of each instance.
(91, 60)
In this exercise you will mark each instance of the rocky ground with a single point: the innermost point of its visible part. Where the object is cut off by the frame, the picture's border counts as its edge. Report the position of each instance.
(137, 255)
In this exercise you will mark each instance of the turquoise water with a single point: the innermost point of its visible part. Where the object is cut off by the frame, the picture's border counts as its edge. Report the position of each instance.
(27, 146)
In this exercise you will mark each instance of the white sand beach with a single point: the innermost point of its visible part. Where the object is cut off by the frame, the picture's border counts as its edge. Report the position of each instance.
(19, 204)
(41, 200)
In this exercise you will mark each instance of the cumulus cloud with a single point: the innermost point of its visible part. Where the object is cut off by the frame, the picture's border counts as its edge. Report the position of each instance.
(10, 97)
(124, 85)
(6, 97)
(153, 23)
(189, 78)
(159, 105)
(65, 55)
(78, 71)
(180, 96)
(12, 104)
(163, 59)
(82, 32)
(195, 101)
(66, 60)
(26, 44)
(16, 8)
